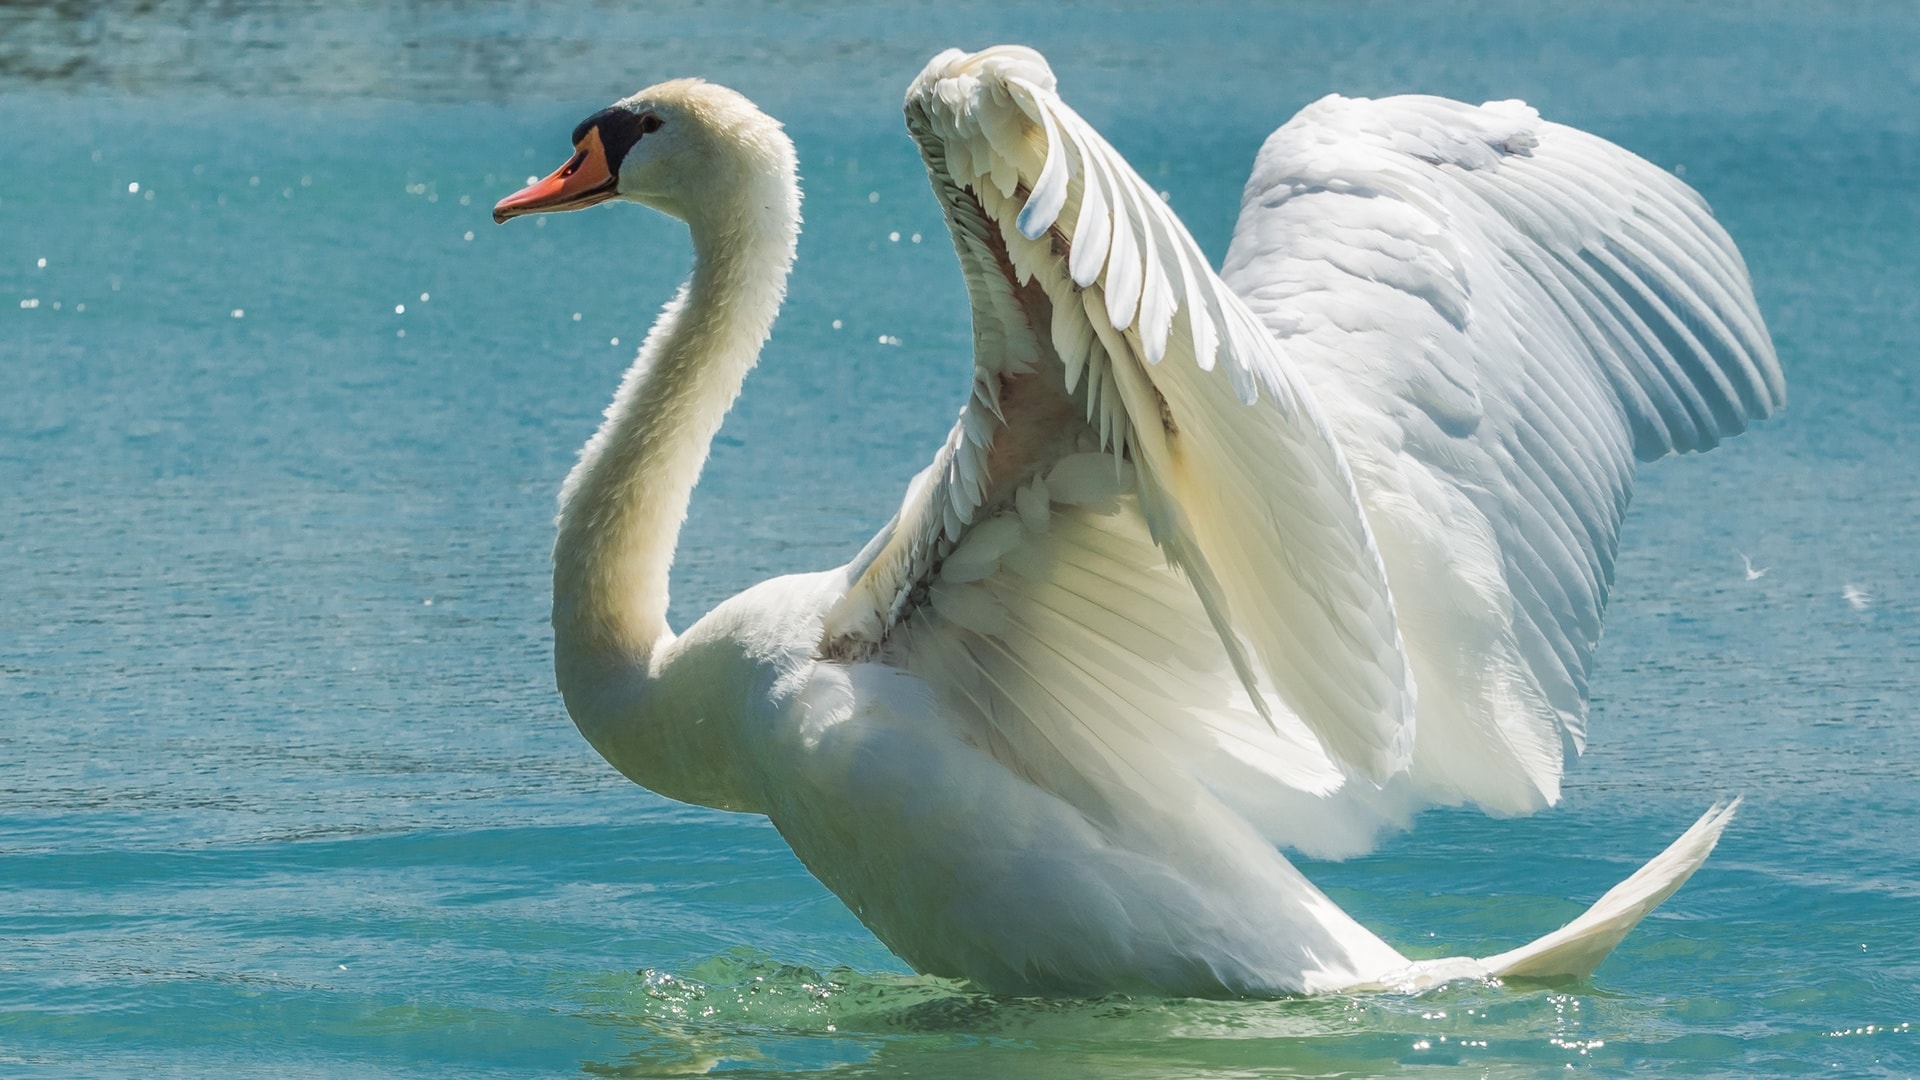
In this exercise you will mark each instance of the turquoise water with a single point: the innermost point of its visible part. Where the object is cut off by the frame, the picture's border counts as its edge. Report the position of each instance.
(284, 785)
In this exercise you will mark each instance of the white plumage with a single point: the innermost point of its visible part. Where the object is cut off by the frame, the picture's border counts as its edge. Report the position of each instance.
(1208, 564)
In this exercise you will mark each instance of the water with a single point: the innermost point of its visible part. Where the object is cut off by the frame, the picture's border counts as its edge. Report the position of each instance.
(284, 785)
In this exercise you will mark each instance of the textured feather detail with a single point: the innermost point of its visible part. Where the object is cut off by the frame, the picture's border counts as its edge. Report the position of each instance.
(1497, 315)
(1086, 657)
(1240, 482)
(1299, 579)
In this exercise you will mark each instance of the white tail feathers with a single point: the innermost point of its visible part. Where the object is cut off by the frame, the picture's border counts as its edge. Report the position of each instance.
(1574, 950)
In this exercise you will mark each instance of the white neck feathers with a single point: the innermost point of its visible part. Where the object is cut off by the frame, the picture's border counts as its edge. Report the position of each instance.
(623, 504)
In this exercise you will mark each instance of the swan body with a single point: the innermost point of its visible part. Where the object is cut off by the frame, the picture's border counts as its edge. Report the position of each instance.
(1210, 565)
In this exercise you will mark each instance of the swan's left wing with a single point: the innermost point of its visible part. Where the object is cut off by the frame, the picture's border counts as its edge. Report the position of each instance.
(1499, 314)
(1101, 335)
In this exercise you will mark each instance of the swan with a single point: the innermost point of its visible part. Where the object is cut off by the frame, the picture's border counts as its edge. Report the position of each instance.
(1211, 564)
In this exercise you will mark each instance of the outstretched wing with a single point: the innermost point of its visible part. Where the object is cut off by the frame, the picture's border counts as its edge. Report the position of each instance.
(1140, 545)
(1497, 315)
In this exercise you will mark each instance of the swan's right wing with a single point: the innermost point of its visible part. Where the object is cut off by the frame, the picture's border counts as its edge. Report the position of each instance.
(1497, 314)
(1218, 611)
(1088, 293)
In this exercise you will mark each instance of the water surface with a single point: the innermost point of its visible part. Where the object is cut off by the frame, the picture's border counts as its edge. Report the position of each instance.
(284, 784)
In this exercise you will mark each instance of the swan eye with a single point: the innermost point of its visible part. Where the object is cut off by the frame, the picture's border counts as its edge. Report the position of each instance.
(619, 128)
(573, 165)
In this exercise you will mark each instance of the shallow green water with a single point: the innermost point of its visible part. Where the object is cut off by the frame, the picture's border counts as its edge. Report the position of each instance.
(284, 785)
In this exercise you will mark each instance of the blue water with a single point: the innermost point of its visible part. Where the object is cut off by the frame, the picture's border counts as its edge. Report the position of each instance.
(284, 785)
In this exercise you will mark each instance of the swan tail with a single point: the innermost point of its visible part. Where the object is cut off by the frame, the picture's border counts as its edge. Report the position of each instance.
(1574, 950)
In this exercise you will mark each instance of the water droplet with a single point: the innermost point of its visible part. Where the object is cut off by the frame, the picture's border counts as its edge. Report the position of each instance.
(133, 188)
(613, 341)
(399, 333)
(306, 181)
(79, 307)
(424, 298)
(30, 303)
(253, 181)
(533, 179)
(915, 238)
(836, 324)
(893, 237)
(42, 264)
(148, 195)
(428, 602)
(238, 313)
(399, 309)
(469, 234)
(873, 196)
(466, 200)
(576, 316)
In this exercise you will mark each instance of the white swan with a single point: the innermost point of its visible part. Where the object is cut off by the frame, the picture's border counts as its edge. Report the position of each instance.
(1208, 563)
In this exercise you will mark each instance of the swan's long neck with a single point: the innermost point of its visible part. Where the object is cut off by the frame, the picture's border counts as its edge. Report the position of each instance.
(623, 504)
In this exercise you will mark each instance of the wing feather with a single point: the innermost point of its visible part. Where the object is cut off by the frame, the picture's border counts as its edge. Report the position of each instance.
(1241, 485)
(1596, 312)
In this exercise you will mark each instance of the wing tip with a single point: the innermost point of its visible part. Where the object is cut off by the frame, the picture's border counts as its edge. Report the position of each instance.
(1000, 64)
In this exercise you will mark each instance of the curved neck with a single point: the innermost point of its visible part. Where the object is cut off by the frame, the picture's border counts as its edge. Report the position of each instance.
(623, 504)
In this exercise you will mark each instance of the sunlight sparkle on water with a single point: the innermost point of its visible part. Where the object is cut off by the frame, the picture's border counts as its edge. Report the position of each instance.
(287, 786)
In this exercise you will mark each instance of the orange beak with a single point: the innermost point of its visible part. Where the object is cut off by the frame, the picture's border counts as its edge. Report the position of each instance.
(583, 181)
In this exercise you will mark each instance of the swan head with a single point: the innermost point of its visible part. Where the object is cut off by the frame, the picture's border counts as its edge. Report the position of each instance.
(687, 148)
